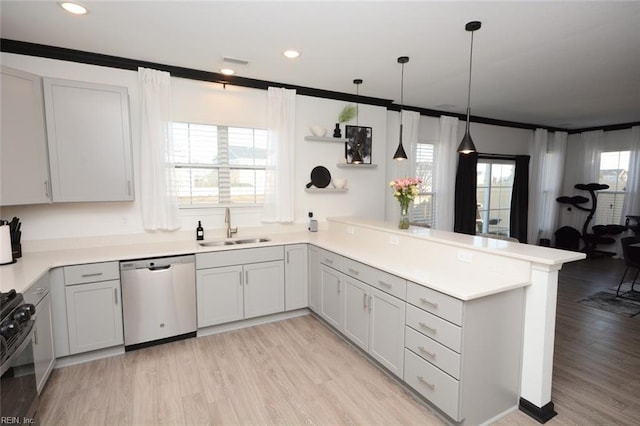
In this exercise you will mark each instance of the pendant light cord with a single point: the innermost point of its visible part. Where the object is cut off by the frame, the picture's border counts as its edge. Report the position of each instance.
(469, 91)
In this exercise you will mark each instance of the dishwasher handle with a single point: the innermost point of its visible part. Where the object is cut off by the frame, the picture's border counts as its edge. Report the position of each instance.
(159, 268)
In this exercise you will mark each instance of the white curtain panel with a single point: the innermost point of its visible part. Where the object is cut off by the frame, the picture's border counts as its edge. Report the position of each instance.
(410, 129)
(157, 181)
(591, 143)
(631, 204)
(445, 172)
(538, 153)
(551, 184)
(279, 179)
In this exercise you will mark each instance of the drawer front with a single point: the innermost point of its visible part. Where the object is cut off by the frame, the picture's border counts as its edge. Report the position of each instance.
(38, 290)
(384, 281)
(331, 259)
(437, 354)
(91, 272)
(239, 257)
(434, 327)
(437, 303)
(438, 387)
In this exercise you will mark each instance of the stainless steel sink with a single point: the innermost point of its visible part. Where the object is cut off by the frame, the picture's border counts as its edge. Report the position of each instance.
(234, 242)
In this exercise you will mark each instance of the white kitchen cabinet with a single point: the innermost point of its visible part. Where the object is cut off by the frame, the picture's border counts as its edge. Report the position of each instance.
(239, 284)
(220, 295)
(89, 139)
(357, 309)
(296, 277)
(314, 279)
(24, 163)
(263, 288)
(386, 330)
(331, 304)
(94, 314)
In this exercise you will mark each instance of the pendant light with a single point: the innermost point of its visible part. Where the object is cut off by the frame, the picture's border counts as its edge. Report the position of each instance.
(356, 157)
(400, 154)
(466, 145)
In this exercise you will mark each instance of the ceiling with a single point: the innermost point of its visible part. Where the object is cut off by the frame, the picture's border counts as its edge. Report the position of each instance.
(566, 64)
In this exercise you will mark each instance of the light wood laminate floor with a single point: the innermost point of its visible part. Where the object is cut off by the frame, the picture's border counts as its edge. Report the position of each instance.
(299, 372)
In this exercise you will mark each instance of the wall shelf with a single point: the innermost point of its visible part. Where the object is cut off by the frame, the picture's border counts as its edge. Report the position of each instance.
(356, 166)
(325, 139)
(326, 190)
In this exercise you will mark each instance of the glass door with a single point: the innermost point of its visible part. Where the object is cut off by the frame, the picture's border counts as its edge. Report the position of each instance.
(495, 184)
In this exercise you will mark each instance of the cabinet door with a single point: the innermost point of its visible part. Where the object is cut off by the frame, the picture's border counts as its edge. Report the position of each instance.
(219, 295)
(386, 338)
(295, 277)
(263, 288)
(24, 163)
(314, 279)
(43, 355)
(331, 306)
(94, 313)
(89, 141)
(356, 312)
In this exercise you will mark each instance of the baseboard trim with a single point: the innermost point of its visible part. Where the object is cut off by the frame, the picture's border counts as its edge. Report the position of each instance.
(221, 328)
(541, 414)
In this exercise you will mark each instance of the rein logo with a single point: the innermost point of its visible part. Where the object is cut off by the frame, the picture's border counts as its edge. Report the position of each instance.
(16, 420)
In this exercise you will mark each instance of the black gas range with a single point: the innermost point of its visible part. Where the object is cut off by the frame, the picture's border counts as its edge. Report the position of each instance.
(19, 395)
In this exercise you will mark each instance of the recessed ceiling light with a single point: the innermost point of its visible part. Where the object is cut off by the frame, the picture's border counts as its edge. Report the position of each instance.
(291, 54)
(75, 8)
(227, 71)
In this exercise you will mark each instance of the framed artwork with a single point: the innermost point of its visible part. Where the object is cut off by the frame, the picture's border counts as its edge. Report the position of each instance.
(359, 145)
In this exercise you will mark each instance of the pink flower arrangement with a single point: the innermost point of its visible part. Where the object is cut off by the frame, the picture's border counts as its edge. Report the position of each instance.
(405, 190)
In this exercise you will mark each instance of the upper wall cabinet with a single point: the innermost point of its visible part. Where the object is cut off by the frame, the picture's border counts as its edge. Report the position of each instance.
(24, 164)
(89, 141)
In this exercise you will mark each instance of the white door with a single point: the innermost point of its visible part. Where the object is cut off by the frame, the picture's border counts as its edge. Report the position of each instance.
(43, 355)
(295, 277)
(314, 279)
(356, 312)
(219, 295)
(263, 288)
(94, 315)
(386, 338)
(331, 306)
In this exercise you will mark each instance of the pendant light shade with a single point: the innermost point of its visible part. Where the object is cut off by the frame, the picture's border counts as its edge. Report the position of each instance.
(466, 145)
(400, 152)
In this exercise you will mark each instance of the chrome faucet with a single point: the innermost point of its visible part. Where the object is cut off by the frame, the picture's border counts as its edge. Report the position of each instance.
(227, 220)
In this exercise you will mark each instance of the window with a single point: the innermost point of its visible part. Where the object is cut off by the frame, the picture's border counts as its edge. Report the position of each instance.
(422, 211)
(219, 165)
(495, 185)
(614, 168)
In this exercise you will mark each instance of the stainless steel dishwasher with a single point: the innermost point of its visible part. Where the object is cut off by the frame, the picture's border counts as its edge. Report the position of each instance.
(158, 300)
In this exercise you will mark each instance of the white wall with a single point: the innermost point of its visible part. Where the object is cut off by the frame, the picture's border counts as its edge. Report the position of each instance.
(206, 102)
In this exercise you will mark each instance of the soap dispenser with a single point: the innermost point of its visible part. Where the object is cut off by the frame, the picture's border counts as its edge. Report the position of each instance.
(199, 232)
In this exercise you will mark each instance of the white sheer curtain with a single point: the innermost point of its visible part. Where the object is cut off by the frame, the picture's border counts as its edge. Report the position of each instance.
(157, 174)
(445, 172)
(538, 154)
(552, 173)
(279, 177)
(631, 204)
(591, 149)
(410, 129)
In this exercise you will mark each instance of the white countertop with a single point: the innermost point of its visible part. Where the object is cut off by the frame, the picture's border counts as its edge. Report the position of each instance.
(457, 282)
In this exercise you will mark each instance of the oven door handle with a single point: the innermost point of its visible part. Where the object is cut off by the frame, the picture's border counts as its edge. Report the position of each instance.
(26, 342)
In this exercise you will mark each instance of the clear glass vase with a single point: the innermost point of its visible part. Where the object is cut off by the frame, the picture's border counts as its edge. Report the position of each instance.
(404, 217)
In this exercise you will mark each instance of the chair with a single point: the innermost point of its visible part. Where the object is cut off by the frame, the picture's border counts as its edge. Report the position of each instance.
(631, 259)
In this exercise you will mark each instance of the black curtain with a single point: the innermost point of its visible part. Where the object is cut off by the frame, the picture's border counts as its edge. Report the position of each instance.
(520, 199)
(465, 198)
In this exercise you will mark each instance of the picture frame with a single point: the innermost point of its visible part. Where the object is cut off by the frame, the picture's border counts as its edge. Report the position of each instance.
(360, 138)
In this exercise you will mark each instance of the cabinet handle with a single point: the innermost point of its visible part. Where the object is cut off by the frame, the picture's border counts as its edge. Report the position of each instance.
(384, 284)
(246, 277)
(46, 188)
(115, 295)
(39, 290)
(241, 280)
(423, 380)
(429, 302)
(329, 261)
(354, 271)
(370, 303)
(339, 287)
(364, 300)
(431, 329)
(95, 274)
(35, 335)
(425, 351)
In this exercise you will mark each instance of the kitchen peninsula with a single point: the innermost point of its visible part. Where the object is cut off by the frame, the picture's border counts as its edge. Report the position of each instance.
(465, 269)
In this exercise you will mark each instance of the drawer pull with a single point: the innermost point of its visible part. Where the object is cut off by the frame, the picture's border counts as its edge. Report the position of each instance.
(115, 295)
(39, 290)
(423, 380)
(95, 274)
(431, 329)
(426, 352)
(354, 271)
(364, 300)
(428, 302)
(384, 284)
(329, 261)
